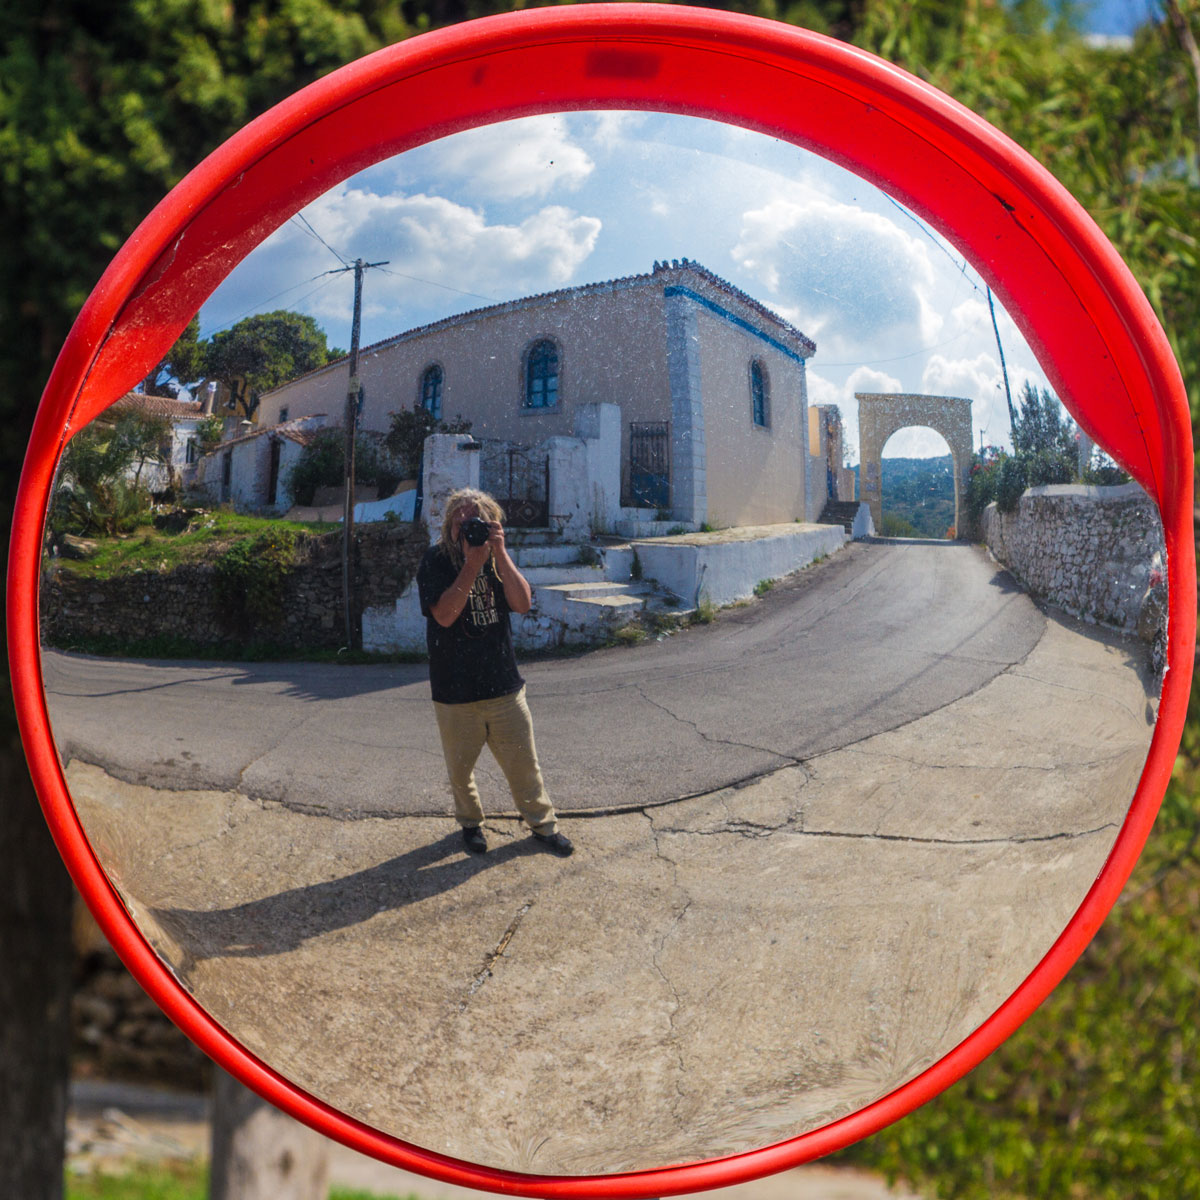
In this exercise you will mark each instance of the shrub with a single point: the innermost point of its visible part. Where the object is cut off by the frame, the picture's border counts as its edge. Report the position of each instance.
(981, 485)
(208, 433)
(1105, 473)
(405, 439)
(250, 578)
(1048, 466)
(894, 526)
(322, 463)
(1010, 484)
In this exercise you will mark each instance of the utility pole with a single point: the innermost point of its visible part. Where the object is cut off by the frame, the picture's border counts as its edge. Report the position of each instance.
(1012, 413)
(353, 641)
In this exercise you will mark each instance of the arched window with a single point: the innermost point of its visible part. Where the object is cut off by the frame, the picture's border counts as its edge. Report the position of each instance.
(758, 394)
(431, 390)
(541, 375)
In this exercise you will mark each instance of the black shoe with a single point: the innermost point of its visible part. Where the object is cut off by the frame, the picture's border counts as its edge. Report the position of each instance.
(556, 843)
(474, 840)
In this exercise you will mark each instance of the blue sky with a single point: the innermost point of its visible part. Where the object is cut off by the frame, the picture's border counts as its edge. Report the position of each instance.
(549, 202)
(1115, 17)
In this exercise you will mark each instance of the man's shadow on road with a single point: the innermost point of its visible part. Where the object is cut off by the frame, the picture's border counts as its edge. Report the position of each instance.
(285, 921)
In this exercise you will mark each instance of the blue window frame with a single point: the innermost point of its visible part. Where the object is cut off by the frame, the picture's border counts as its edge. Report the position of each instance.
(431, 390)
(758, 394)
(541, 375)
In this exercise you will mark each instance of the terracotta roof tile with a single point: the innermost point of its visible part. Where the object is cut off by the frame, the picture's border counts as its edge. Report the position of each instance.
(296, 430)
(158, 406)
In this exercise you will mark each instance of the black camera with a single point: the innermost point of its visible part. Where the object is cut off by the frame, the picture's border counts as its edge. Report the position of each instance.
(475, 530)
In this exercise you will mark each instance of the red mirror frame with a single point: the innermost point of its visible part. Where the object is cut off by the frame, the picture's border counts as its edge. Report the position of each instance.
(1076, 302)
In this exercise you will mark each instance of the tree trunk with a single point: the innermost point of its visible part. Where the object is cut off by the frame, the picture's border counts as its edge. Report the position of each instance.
(35, 987)
(259, 1153)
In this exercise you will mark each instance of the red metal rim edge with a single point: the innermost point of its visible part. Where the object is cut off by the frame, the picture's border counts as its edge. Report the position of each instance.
(1105, 294)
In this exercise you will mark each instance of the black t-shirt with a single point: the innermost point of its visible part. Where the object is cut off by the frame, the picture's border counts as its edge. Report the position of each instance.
(473, 658)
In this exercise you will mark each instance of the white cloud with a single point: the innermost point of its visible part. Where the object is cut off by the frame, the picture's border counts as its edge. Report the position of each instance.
(613, 130)
(917, 441)
(980, 381)
(511, 160)
(868, 379)
(851, 275)
(438, 254)
(975, 378)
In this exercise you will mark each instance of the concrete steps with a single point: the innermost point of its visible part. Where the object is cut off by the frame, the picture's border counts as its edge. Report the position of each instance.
(637, 527)
(543, 554)
(839, 512)
(583, 594)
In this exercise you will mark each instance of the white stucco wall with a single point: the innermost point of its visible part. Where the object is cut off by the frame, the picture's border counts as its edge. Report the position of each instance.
(611, 350)
(723, 567)
(755, 474)
(614, 347)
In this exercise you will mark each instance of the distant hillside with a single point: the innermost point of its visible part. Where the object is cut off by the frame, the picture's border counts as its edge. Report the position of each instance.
(920, 493)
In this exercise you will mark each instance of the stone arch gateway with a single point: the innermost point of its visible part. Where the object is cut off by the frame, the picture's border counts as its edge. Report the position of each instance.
(880, 414)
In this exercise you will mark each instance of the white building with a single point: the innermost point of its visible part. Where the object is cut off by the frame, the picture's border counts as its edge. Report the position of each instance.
(180, 450)
(709, 385)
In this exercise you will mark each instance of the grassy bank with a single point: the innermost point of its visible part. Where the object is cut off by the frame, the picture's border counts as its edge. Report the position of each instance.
(206, 535)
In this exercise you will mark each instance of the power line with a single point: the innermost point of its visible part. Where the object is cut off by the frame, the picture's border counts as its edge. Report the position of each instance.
(875, 362)
(256, 309)
(961, 264)
(308, 227)
(435, 283)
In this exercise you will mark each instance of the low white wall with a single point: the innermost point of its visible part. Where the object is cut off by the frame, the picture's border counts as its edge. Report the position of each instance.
(1087, 550)
(864, 525)
(723, 567)
(447, 469)
(400, 506)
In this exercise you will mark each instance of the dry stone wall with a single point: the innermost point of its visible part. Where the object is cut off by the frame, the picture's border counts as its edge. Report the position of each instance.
(185, 603)
(1087, 550)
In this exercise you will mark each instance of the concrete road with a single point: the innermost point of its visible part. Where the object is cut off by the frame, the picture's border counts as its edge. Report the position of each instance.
(870, 639)
(783, 944)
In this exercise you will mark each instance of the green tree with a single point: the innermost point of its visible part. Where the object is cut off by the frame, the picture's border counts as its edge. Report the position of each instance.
(261, 352)
(1097, 1094)
(409, 429)
(183, 364)
(103, 107)
(322, 463)
(99, 484)
(1042, 425)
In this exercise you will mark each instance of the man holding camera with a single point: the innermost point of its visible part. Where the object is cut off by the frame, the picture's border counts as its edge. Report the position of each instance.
(468, 585)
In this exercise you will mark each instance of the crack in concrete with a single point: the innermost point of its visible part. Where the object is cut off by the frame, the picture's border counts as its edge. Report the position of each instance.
(655, 958)
(429, 1040)
(227, 828)
(1099, 697)
(1012, 840)
(485, 972)
(1051, 768)
(716, 741)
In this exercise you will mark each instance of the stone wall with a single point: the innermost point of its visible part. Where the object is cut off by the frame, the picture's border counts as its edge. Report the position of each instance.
(1087, 550)
(184, 603)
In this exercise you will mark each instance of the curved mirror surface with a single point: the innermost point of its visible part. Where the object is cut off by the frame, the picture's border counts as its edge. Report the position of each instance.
(839, 746)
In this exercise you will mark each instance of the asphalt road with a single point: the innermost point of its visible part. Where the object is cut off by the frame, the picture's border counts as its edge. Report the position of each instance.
(874, 637)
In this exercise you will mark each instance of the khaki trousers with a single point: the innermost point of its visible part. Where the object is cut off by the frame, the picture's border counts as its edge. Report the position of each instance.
(506, 728)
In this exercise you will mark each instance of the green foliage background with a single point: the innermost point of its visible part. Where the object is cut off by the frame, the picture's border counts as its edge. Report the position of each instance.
(104, 104)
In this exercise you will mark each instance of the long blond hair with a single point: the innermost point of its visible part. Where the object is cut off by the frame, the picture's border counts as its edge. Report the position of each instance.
(486, 505)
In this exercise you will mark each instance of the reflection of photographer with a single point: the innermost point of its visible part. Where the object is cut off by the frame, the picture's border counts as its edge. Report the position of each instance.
(468, 585)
